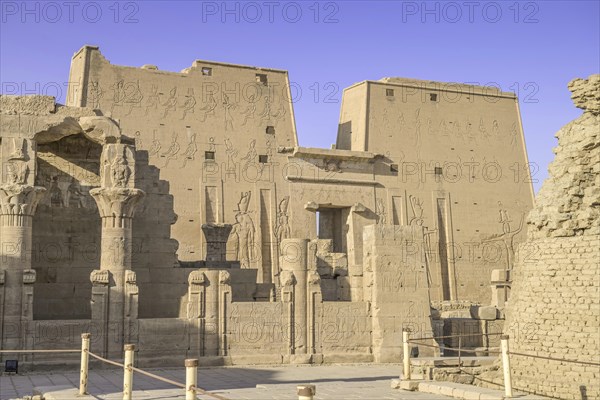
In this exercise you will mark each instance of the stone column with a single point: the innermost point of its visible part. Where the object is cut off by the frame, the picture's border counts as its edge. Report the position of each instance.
(18, 203)
(216, 241)
(117, 200)
(294, 263)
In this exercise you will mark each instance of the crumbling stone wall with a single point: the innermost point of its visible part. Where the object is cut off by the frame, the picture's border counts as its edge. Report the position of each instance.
(554, 310)
(568, 202)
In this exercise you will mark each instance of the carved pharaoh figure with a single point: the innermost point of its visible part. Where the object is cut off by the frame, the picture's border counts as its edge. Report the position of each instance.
(243, 232)
(120, 171)
(56, 196)
(75, 196)
(282, 230)
(171, 103)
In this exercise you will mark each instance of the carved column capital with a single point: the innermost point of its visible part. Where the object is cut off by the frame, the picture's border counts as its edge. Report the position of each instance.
(196, 278)
(100, 277)
(29, 276)
(117, 205)
(18, 201)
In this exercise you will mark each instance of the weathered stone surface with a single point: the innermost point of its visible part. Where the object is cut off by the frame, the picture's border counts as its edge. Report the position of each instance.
(554, 309)
(27, 105)
(327, 253)
(568, 203)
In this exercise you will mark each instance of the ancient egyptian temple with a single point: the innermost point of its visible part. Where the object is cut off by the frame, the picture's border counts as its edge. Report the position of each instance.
(178, 212)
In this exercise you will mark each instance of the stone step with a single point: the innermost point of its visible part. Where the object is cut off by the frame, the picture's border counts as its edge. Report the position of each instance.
(468, 392)
(452, 361)
(59, 393)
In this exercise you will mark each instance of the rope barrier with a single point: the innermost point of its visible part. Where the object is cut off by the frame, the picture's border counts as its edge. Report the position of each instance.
(456, 336)
(456, 349)
(554, 359)
(40, 351)
(157, 377)
(96, 356)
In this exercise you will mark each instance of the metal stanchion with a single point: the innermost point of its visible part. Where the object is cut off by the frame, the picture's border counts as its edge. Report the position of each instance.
(406, 353)
(128, 372)
(306, 392)
(506, 366)
(191, 378)
(85, 358)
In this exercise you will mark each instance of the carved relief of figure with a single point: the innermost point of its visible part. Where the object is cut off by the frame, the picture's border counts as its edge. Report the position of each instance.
(189, 104)
(243, 231)
(120, 171)
(249, 112)
(430, 128)
(457, 130)
(56, 196)
(416, 139)
(95, 95)
(126, 94)
(495, 128)
(282, 230)
(507, 236)
(444, 128)
(380, 212)
(171, 103)
(153, 100)
(190, 150)
(209, 108)
(227, 106)
(118, 95)
(468, 129)
(156, 146)
(401, 122)
(171, 153)
(280, 112)
(17, 172)
(250, 157)
(133, 96)
(265, 115)
(416, 205)
(231, 154)
(74, 194)
(483, 129)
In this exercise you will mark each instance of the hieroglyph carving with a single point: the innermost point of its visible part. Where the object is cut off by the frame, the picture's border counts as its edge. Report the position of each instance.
(243, 232)
(282, 229)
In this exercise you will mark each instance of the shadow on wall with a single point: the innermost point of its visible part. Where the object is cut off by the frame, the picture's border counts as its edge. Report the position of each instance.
(160, 280)
(66, 228)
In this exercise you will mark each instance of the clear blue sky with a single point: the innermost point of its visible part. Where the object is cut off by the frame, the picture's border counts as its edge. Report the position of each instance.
(534, 47)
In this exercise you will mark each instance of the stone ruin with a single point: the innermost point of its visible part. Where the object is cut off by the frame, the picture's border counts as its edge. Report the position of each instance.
(554, 310)
(178, 212)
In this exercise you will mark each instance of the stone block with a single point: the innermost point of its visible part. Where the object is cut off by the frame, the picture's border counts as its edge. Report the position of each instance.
(409, 385)
(488, 313)
(27, 105)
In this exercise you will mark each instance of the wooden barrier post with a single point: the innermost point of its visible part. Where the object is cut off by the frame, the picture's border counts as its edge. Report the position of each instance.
(191, 378)
(406, 353)
(506, 367)
(128, 372)
(85, 359)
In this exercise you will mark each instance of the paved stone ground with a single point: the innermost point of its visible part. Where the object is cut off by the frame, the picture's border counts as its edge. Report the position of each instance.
(364, 381)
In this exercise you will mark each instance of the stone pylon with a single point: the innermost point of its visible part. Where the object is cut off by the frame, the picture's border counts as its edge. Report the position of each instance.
(114, 292)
